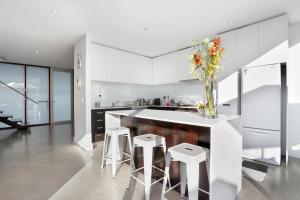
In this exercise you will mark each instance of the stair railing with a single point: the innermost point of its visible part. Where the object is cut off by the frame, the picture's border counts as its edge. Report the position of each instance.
(19, 92)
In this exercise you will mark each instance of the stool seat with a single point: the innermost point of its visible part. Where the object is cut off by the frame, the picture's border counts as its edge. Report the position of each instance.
(117, 131)
(112, 150)
(189, 156)
(188, 153)
(148, 140)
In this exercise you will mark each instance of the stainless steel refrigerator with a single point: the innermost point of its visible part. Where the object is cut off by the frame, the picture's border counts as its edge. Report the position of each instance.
(263, 108)
(259, 95)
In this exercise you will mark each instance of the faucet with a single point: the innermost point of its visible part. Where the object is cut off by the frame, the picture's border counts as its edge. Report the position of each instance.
(114, 103)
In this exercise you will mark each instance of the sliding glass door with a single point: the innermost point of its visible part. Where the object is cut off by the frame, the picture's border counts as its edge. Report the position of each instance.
(25, 94)
(37, 82)
(62, 95)
(12, 89)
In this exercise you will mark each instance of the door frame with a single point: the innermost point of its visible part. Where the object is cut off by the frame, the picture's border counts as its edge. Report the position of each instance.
(71, 71)
(49, 88)
(25, 92)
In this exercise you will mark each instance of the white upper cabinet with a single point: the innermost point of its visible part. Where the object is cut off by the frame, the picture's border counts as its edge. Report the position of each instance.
(273, 40)
(119, 66)
(247, 46)
(258, 44)
(228, 41)
(96, 60)
(228, 95)
(172, 68)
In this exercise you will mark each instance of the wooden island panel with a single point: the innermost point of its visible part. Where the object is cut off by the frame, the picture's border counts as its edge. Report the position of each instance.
(174, 134)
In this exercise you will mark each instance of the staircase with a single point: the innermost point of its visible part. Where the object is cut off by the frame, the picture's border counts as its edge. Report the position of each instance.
(10, 121)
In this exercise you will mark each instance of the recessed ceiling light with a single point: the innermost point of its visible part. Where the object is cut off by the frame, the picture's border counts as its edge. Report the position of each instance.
(55, 11)
(230, 22)
(37, 52)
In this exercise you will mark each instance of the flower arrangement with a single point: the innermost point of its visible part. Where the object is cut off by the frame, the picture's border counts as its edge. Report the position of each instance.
(206, 66)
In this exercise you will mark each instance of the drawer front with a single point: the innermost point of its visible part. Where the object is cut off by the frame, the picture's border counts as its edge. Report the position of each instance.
(98, 125)
(99, 120)
(262, 145)
(99, 129)
(98, 114)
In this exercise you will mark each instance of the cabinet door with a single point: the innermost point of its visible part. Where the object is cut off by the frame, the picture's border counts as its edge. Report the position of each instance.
(172, 68)
(261, 99)
(247, 46)
(163, 70)
(228, 95)
(183, 67)
(123, 67)
(141, 70)
(273, 40)
(228, 41)
(97, 62)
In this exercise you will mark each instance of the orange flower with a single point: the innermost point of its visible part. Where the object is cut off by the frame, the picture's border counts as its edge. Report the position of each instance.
(222, 50)
(197, 59)
(217, 42)
(213, 51)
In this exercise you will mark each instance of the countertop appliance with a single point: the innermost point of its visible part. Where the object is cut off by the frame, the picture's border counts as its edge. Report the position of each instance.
(156, 101)
(263, 108)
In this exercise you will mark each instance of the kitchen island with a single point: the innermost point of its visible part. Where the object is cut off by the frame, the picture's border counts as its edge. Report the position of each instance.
(221, 136)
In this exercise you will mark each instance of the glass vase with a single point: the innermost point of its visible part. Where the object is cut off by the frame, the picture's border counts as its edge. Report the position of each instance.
(210, 96)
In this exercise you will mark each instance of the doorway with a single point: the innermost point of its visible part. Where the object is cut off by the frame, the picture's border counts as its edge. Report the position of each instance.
(62, 96)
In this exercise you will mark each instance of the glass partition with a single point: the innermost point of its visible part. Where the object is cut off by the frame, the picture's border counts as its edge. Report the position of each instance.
(12, 81)
(62, 91)
(37, 82)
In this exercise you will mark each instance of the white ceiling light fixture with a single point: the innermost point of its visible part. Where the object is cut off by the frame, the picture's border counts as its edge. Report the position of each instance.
(36, 51)
(230, 22)
(55, 11)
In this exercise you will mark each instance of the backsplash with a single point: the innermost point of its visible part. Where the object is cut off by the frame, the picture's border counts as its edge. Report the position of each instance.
(118, 91)
(186, 93)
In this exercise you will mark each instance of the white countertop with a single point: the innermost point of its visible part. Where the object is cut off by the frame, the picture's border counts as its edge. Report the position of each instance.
(190, 118)
(143, 107)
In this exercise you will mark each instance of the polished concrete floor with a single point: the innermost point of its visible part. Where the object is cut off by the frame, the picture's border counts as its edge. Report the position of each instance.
(44, 163)
(35, 163)
(94, 183)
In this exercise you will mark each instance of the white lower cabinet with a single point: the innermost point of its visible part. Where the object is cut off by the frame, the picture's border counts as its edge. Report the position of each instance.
(262, 145)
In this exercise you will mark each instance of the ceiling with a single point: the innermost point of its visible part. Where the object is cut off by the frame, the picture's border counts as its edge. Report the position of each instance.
(43, 32)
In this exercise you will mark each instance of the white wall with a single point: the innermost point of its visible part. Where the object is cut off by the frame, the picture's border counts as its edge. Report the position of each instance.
(294, 90)
(79, 93)
(82, 95)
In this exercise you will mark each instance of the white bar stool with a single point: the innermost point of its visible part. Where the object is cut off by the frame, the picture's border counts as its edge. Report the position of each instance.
(190, 156)
(115, 151)
(148, 142)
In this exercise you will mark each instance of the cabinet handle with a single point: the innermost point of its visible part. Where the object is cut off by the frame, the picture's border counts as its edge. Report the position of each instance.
(226, 104)
(98, 113)
(99, 127)
(99, 120)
